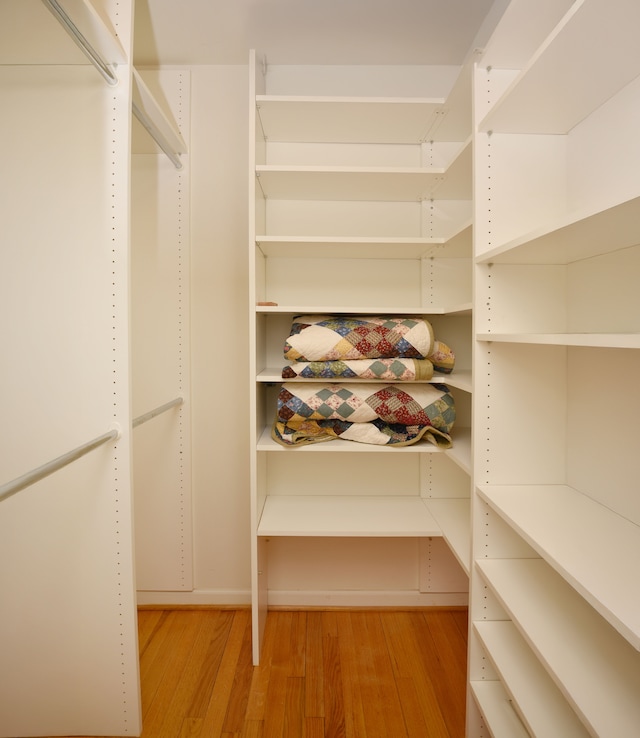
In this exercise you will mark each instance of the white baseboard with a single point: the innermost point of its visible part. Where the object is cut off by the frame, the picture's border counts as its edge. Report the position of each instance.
(303, 598)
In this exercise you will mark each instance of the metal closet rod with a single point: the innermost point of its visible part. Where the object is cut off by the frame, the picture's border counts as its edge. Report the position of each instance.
(157, 136)
(109, 75)
(35, 475)
(40, 472)
(70, 27)
(157, 411)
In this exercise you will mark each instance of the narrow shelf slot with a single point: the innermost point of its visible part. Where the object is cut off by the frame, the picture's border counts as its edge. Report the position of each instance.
(497, 709)
(355, 515)
(599, 671)
(545, 517)
(544, 709)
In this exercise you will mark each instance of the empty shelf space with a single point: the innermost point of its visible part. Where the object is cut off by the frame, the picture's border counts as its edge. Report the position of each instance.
(453, 517)
(573, 72)
(347, 119)
(599, 670)
(575, 236)
(543, 708)
(353, 516)
(564, 525)
(388, 184)
(354, 247)
(497, 710)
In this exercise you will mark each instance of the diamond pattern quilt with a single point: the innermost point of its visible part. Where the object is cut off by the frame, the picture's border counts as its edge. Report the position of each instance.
(345, 338)
(377, 413)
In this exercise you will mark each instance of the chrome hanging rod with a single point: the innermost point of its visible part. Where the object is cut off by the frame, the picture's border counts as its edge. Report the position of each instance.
(35, 475)
(157, 136)
(158, 411)
(105, 70)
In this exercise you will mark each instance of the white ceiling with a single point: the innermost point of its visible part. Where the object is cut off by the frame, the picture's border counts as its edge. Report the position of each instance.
(368, 32)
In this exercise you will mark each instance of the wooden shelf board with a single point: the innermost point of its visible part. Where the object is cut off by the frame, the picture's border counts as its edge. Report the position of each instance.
(573, 72)
(599, 672)
(497, 709)
(330, 119)
(463, 309)
(589, 340)
(453, 517)
(542, 706)
(562, 525)
(573, 237)
(345, 515)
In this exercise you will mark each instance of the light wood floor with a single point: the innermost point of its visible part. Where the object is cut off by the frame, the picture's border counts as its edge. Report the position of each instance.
(333, 674)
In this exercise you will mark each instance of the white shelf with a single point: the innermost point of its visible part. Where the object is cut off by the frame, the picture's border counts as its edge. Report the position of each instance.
(542, 706)
(597, 669)
(346, 515)
(463, 309)
(563, 525)
(588, 340)
(573, 72)
(574, 236)
(461, 380)
(453, 517)
(497, 709)
(347, 119)
(460, 452)
(339, 445)
(388, 184)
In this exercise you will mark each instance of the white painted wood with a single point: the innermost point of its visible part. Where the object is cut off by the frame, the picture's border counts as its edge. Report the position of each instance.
(346, 516)
(542, 707)
(454, 520)
(572, 73)
(596, 669)
(345, 120)
(497, 710)
(563, 525)
(595, 340)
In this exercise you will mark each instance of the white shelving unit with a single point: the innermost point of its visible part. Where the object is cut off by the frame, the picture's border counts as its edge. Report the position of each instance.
(358, 205)
(555, 514)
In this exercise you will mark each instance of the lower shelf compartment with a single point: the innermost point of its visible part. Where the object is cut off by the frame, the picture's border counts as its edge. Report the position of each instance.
(497, 710)
(544, 709)
(349, 515)
(598, 668)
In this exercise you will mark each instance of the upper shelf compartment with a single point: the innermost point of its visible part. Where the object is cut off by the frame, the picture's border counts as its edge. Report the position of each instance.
(575, 70)
(347, 120)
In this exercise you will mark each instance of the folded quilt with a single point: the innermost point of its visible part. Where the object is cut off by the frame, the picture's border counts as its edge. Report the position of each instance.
(339, 338)
(376, 413)
(388, 370)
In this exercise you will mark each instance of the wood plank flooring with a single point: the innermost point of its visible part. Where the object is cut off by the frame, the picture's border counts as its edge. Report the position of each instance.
(323, 674)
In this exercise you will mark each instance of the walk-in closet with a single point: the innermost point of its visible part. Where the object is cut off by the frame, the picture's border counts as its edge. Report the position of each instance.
(312, 310)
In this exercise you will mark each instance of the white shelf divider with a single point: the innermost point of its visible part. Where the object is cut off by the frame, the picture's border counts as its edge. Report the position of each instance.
(345, 515)
(573, 642)
(543, 708)
(562, 525)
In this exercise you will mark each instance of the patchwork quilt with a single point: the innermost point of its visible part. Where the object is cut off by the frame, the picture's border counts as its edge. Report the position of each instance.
(376, 413)
(345, 338)
(387, 370)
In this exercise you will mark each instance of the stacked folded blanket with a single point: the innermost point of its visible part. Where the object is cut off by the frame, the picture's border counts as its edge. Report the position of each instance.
(381, 349)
